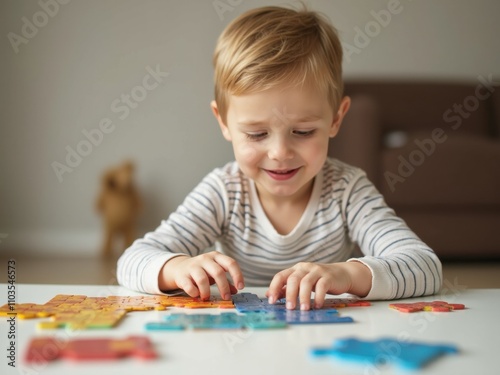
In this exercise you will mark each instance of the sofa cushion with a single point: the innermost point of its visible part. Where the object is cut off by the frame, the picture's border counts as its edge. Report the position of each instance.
(456, 234)
(459, 171)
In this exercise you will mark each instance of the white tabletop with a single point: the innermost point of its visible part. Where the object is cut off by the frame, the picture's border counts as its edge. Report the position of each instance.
(475, 331)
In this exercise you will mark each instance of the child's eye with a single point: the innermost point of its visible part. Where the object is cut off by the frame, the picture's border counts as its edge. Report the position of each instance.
(304, 133)
(255, 136)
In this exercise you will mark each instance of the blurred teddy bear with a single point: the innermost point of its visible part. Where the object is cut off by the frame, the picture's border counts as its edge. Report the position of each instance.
(120, 204)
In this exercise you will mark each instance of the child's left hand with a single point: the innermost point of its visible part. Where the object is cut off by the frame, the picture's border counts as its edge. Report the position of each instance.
(304, 278)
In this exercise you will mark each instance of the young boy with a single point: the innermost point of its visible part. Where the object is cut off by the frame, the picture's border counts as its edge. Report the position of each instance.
(283, 214)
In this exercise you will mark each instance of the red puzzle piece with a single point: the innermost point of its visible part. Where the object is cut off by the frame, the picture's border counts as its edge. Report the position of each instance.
(50, 348)
(435, 306)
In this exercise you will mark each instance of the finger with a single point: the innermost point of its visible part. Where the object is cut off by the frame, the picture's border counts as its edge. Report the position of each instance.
(187, 285)
(200, 278)
(292, 290)
(218, 274)
(277, 285)
(306, 286)
(320, 293)
(282, 293)
(230, 265)
(233, 289)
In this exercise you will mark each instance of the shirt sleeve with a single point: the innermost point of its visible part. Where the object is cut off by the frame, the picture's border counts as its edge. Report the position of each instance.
(402, 265)
(190, 230)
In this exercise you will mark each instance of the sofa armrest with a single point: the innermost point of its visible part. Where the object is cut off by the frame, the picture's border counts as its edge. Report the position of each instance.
(359, 139)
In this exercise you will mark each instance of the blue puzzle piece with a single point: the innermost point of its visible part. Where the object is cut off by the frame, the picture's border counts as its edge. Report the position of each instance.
(312, 317)
(249, 302)
(176, 322)
(405, 354)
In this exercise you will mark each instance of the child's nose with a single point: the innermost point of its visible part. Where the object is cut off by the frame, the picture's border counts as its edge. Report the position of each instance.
(280, 150)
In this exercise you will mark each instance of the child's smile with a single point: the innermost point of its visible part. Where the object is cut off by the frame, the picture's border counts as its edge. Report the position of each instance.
(282, 175)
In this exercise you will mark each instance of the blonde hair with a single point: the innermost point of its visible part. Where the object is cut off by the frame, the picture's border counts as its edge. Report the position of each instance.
(271, 46)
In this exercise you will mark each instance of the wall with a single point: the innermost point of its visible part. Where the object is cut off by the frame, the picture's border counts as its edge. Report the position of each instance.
(66, 70)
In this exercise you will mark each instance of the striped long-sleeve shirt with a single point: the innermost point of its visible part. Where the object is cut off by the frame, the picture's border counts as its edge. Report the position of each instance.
(344, 208)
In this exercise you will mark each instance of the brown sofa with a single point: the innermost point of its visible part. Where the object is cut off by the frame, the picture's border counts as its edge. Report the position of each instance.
(433, 151)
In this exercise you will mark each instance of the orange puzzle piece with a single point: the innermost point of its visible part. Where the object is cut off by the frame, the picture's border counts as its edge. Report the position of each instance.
(82, 312)
(435, 306)
(336, 303)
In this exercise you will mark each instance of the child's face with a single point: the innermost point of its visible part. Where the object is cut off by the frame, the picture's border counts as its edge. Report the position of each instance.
(280, 138)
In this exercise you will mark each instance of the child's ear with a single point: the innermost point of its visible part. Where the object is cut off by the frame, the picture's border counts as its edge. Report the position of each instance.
(345, 103)
(223, 127)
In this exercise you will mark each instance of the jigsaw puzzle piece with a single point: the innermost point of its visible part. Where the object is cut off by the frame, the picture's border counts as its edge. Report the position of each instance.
(50, 349)
(434, 306)
(249, 302)
(337, 303)
(312, 317)
(81, 312)
(85, 319)
(195, 303)
(407, 355)
(176, 322)
(264, 320)
(27, 310)
(246, 302)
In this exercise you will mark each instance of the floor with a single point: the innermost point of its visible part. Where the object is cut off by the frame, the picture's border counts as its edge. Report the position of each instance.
(91, 271)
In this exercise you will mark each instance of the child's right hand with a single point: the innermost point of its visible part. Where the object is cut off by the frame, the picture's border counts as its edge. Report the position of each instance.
(194, 275)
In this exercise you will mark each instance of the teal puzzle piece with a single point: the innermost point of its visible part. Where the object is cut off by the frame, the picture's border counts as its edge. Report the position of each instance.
(409, 355)
(229, 320)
